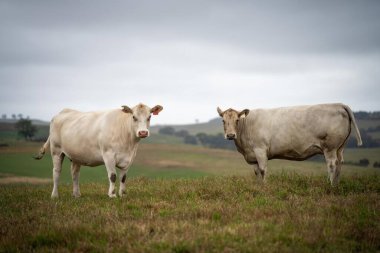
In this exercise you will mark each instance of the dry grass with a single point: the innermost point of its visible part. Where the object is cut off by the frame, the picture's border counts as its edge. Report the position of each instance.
(291, 213)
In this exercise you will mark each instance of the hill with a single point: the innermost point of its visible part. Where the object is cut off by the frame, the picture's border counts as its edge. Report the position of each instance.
(36, 122)
(211, 127)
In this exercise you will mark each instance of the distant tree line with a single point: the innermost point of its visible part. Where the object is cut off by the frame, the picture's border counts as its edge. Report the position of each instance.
(215, 141)
(206, 140)
(367, 115)
(364, 162)
(368, 141)
(13, 116)
(187, 138)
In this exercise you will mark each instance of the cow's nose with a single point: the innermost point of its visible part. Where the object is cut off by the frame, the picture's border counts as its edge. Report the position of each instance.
(231, 136)
(143, 134)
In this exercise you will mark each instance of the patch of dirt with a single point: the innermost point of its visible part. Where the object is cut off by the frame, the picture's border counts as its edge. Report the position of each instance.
(11, 179)
(171, 164)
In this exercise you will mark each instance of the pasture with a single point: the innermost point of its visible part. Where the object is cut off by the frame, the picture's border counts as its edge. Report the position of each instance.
(183, 198)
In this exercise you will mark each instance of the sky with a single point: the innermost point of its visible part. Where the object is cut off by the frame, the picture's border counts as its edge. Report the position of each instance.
(188, 56)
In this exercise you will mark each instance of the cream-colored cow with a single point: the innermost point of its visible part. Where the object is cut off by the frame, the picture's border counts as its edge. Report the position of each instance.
(291, 133)
(95, 138)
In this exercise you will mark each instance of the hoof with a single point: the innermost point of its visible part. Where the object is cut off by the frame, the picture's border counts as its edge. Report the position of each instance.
(76, 195)
(113, 195)
(122, 193)
(54, 195)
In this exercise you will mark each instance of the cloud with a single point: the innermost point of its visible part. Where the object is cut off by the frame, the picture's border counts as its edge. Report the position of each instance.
(188, 56)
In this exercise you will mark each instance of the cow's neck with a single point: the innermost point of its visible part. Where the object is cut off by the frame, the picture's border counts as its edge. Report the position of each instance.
(240, 133)
(126, 134)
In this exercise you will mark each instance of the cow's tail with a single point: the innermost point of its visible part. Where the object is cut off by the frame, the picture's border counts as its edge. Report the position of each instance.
(353, 121)
(43, 150)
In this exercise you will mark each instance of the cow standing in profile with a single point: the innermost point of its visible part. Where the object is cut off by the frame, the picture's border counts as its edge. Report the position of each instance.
(291, 133)
(95, 138)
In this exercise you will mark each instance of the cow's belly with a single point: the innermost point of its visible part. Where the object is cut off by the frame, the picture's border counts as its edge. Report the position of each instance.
(84, 157)
(297, 154)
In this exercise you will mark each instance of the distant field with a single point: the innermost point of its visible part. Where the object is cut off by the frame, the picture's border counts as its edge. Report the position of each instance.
(173, 161)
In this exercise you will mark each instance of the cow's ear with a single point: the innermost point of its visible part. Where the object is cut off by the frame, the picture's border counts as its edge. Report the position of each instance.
(243, 113)
(220, 111)
(155, 110)
(126, 109)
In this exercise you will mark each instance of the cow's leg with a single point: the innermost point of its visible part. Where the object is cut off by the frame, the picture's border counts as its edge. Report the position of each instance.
(333, 165)
(262, 163)
(258, 172)
(340, 155)
(339, 164)
(123, 179)
(75, 175)
(109, 161)
(57, 168)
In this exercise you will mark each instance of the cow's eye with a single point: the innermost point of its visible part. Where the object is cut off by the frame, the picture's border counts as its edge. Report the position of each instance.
(224, 122)
(237, 120)
(149, 118)
(134, 118)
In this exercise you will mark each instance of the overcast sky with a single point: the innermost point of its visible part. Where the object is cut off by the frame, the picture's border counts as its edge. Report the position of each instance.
(188, 56)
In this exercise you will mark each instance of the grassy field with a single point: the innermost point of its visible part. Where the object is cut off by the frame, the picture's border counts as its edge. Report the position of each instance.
(291, 213)
(183, 198)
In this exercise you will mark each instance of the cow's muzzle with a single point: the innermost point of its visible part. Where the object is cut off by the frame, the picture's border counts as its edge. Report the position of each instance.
(143, 134)
(231, 136)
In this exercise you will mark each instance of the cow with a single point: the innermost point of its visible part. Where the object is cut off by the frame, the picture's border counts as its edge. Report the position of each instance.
(291, 133)
(94, 138)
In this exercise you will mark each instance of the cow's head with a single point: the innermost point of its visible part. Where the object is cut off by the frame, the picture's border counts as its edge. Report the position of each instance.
(140, 115)
(231, 119)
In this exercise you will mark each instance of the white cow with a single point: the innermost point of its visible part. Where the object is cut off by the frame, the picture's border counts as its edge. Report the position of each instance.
(95, 138)
(291, 133)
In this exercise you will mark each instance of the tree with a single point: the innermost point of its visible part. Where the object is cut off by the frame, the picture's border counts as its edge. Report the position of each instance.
(364, 162)
(190, 139)
(215, 141)
(4, 116)
(181, 133)
(166, 130)
(26, 129)
(14, 116)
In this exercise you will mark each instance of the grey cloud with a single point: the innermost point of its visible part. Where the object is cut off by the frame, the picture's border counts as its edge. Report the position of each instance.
(187, 54)
(280, 26)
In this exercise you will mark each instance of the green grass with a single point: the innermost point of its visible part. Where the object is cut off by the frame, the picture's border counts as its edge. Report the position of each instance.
(23, 165)
(291, 213)
(183, 198)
